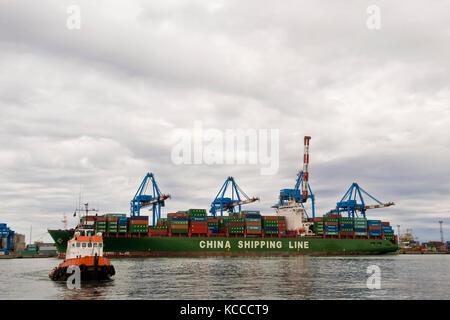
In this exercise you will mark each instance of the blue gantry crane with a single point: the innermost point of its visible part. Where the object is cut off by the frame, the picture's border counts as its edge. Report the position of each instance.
(238, 198)
(349, 202)
(6, 239)
(155, 198)
(296, 195)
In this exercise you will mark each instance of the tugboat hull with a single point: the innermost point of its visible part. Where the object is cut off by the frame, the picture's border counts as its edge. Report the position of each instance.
(87, 273)
(91, 268)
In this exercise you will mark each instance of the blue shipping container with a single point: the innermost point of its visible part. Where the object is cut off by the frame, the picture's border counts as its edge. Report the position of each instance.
(197, 219)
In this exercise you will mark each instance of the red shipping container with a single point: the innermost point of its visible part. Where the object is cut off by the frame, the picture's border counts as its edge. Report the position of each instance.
(159, 232)
(235, 224)
(253, 231)
(143, 222)
(374, 228)
(254, 224)
(270, 217)
(177, 215)
(385, 223)
(334, 216)
(199, 230)
(317, 219)
(179, 226)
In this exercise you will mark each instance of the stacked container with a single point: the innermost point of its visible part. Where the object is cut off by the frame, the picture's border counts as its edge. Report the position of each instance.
(178, 223)
(159, 230)
(199, 224)
(374, 227)
(346, 226)
(387, 231)
(360, 225)
(213, 224)
(112, 225)
(282, 225)
(235, 225)
(100, 224)
(331, 223)
(270, 225)
(274, 225)
(252, 221)
(122, 223)
(139, 224)
(318, 225)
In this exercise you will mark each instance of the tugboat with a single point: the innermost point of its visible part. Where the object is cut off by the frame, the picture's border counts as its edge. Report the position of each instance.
(85, 250)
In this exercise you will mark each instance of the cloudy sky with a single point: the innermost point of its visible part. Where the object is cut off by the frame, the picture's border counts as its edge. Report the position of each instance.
(96, 108)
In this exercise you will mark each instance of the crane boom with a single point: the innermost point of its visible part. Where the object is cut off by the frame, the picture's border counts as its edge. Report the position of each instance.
(159, 199)
(244, 202)
(374, 206)
(305, 168)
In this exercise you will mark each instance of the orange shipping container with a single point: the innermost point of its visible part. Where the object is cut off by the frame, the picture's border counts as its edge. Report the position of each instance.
(254, 224)
(179, 226)
(142, 222)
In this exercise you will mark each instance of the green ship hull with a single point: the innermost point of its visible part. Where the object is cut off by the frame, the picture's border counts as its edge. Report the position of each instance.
(229, 246)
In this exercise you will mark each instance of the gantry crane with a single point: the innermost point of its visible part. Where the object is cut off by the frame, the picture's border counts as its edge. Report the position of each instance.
(238, 198)
(155, 199)
(302, 190)
(349, 202)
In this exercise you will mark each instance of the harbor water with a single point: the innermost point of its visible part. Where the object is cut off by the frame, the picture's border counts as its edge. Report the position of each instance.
(296, 278)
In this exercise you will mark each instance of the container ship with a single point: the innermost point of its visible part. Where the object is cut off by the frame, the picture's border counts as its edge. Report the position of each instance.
(230, 231)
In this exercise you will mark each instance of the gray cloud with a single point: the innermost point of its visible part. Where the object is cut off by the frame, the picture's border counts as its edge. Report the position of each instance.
(98, 107)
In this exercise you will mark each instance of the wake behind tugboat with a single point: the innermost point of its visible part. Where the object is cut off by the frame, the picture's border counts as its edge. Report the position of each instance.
(84, 250)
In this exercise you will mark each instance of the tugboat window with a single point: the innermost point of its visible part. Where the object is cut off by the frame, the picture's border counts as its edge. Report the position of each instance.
(90, 244)
(95, 244)
(100, 245)
(78, 244)
(84, 244)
